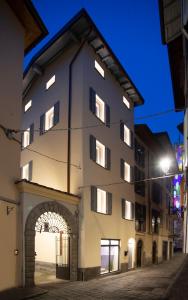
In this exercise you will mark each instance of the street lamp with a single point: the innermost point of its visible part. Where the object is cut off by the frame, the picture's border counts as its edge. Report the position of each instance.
(165, 164)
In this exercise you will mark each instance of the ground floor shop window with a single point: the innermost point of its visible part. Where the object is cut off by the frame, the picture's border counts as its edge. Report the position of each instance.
(109, 256)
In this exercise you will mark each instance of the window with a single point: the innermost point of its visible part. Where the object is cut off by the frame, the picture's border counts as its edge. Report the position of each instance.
(28, 105)
(26, 171)
(126, 102)
(125, 134)
(109, 256)
(139, 154)
(127, 210)
(156, 193)
(101, 201)
(50, 82)
(99, 153)
(27, 137)
(140, 217)
(99, 69)
(99, 108)
(139, 186)
(49, 119)
(126, 171)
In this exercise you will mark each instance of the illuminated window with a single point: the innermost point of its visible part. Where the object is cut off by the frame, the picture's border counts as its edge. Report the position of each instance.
(127, 135)
(49, 118)
(127, 172)
(127, 209)
(26, 138)
(100, 108)
(99, 68)
(50, 82)
(101, 201)
(100, 153)
(126, 102)
(26, 171)
(28, 105)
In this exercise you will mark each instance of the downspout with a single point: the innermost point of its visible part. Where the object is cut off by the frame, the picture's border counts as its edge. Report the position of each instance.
(70, 111)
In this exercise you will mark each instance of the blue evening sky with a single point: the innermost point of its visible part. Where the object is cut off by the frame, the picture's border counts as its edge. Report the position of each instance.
(132, 29)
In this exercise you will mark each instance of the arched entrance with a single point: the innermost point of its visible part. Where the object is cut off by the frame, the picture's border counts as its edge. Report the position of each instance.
(154, 252)
(139, 253)
(63, 221)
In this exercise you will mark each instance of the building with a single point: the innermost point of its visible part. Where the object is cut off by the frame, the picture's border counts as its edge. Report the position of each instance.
(77, 158)
(174, 31)
(153, 197)
(20, 29)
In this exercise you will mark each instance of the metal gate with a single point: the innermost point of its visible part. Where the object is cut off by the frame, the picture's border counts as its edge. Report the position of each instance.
(63, 256)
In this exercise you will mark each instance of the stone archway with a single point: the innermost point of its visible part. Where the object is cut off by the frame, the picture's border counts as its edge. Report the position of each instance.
(30, 238)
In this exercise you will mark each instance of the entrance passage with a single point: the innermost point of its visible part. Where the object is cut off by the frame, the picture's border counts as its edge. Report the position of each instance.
(131, 245)
(52, 247)
(109, 256)
(139, 254)
(165, 250)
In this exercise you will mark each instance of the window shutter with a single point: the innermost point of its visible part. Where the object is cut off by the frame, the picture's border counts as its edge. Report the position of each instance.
(93, 198)
(107, 108)
(132, 139)
(92, 147)
(31, 133)
(42, 120)
(107, 158)
(122, 131)
(122, 171)
(56, 113)
(109, 203)
(30, 170)
(123, 207)
(132, 174)
(132, 210)
(22, 137)
(92, 100)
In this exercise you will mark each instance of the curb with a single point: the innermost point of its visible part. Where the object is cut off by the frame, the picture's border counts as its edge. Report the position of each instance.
(34, 295)
(167, 293)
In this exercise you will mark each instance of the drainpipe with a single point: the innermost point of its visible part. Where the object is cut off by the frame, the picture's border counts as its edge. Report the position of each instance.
(70, 111)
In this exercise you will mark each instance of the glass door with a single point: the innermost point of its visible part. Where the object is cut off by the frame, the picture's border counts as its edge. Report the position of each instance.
(109, 256)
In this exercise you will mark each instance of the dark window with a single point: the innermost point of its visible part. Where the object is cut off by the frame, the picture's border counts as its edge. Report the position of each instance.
(139, 154)
(156, 192)
(140, 217)
(139, 187)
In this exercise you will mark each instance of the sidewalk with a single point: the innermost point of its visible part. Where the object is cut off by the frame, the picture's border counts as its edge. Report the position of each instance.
(149, 283)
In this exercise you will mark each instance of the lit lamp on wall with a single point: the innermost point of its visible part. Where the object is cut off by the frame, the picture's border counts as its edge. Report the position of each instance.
(165, 164)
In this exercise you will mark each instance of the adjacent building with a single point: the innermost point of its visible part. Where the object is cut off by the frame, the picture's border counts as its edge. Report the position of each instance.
(20, 29)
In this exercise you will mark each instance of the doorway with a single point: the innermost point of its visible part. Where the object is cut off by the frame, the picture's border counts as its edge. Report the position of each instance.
(131, 245)
(51, 248)
(154, 252)
(139, 254)
(165, 250)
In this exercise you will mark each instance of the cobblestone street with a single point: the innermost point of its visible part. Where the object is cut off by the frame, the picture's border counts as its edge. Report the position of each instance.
(146, 283)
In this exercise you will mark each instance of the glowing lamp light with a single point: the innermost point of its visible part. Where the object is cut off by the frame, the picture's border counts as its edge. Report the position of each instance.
(165, 164)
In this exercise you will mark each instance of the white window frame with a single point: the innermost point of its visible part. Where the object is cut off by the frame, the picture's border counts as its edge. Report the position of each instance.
(25, 172)
(127, 135)
(100, 153)
(100, 108)
(49, 119)
(99, 68)
(26, 138)
(27, 105)
(101, 201)
(126, 102)
(127, 172)
(128, 213)
(50, 82)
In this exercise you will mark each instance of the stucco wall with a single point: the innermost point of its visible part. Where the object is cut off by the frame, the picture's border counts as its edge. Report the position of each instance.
(11, 57)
